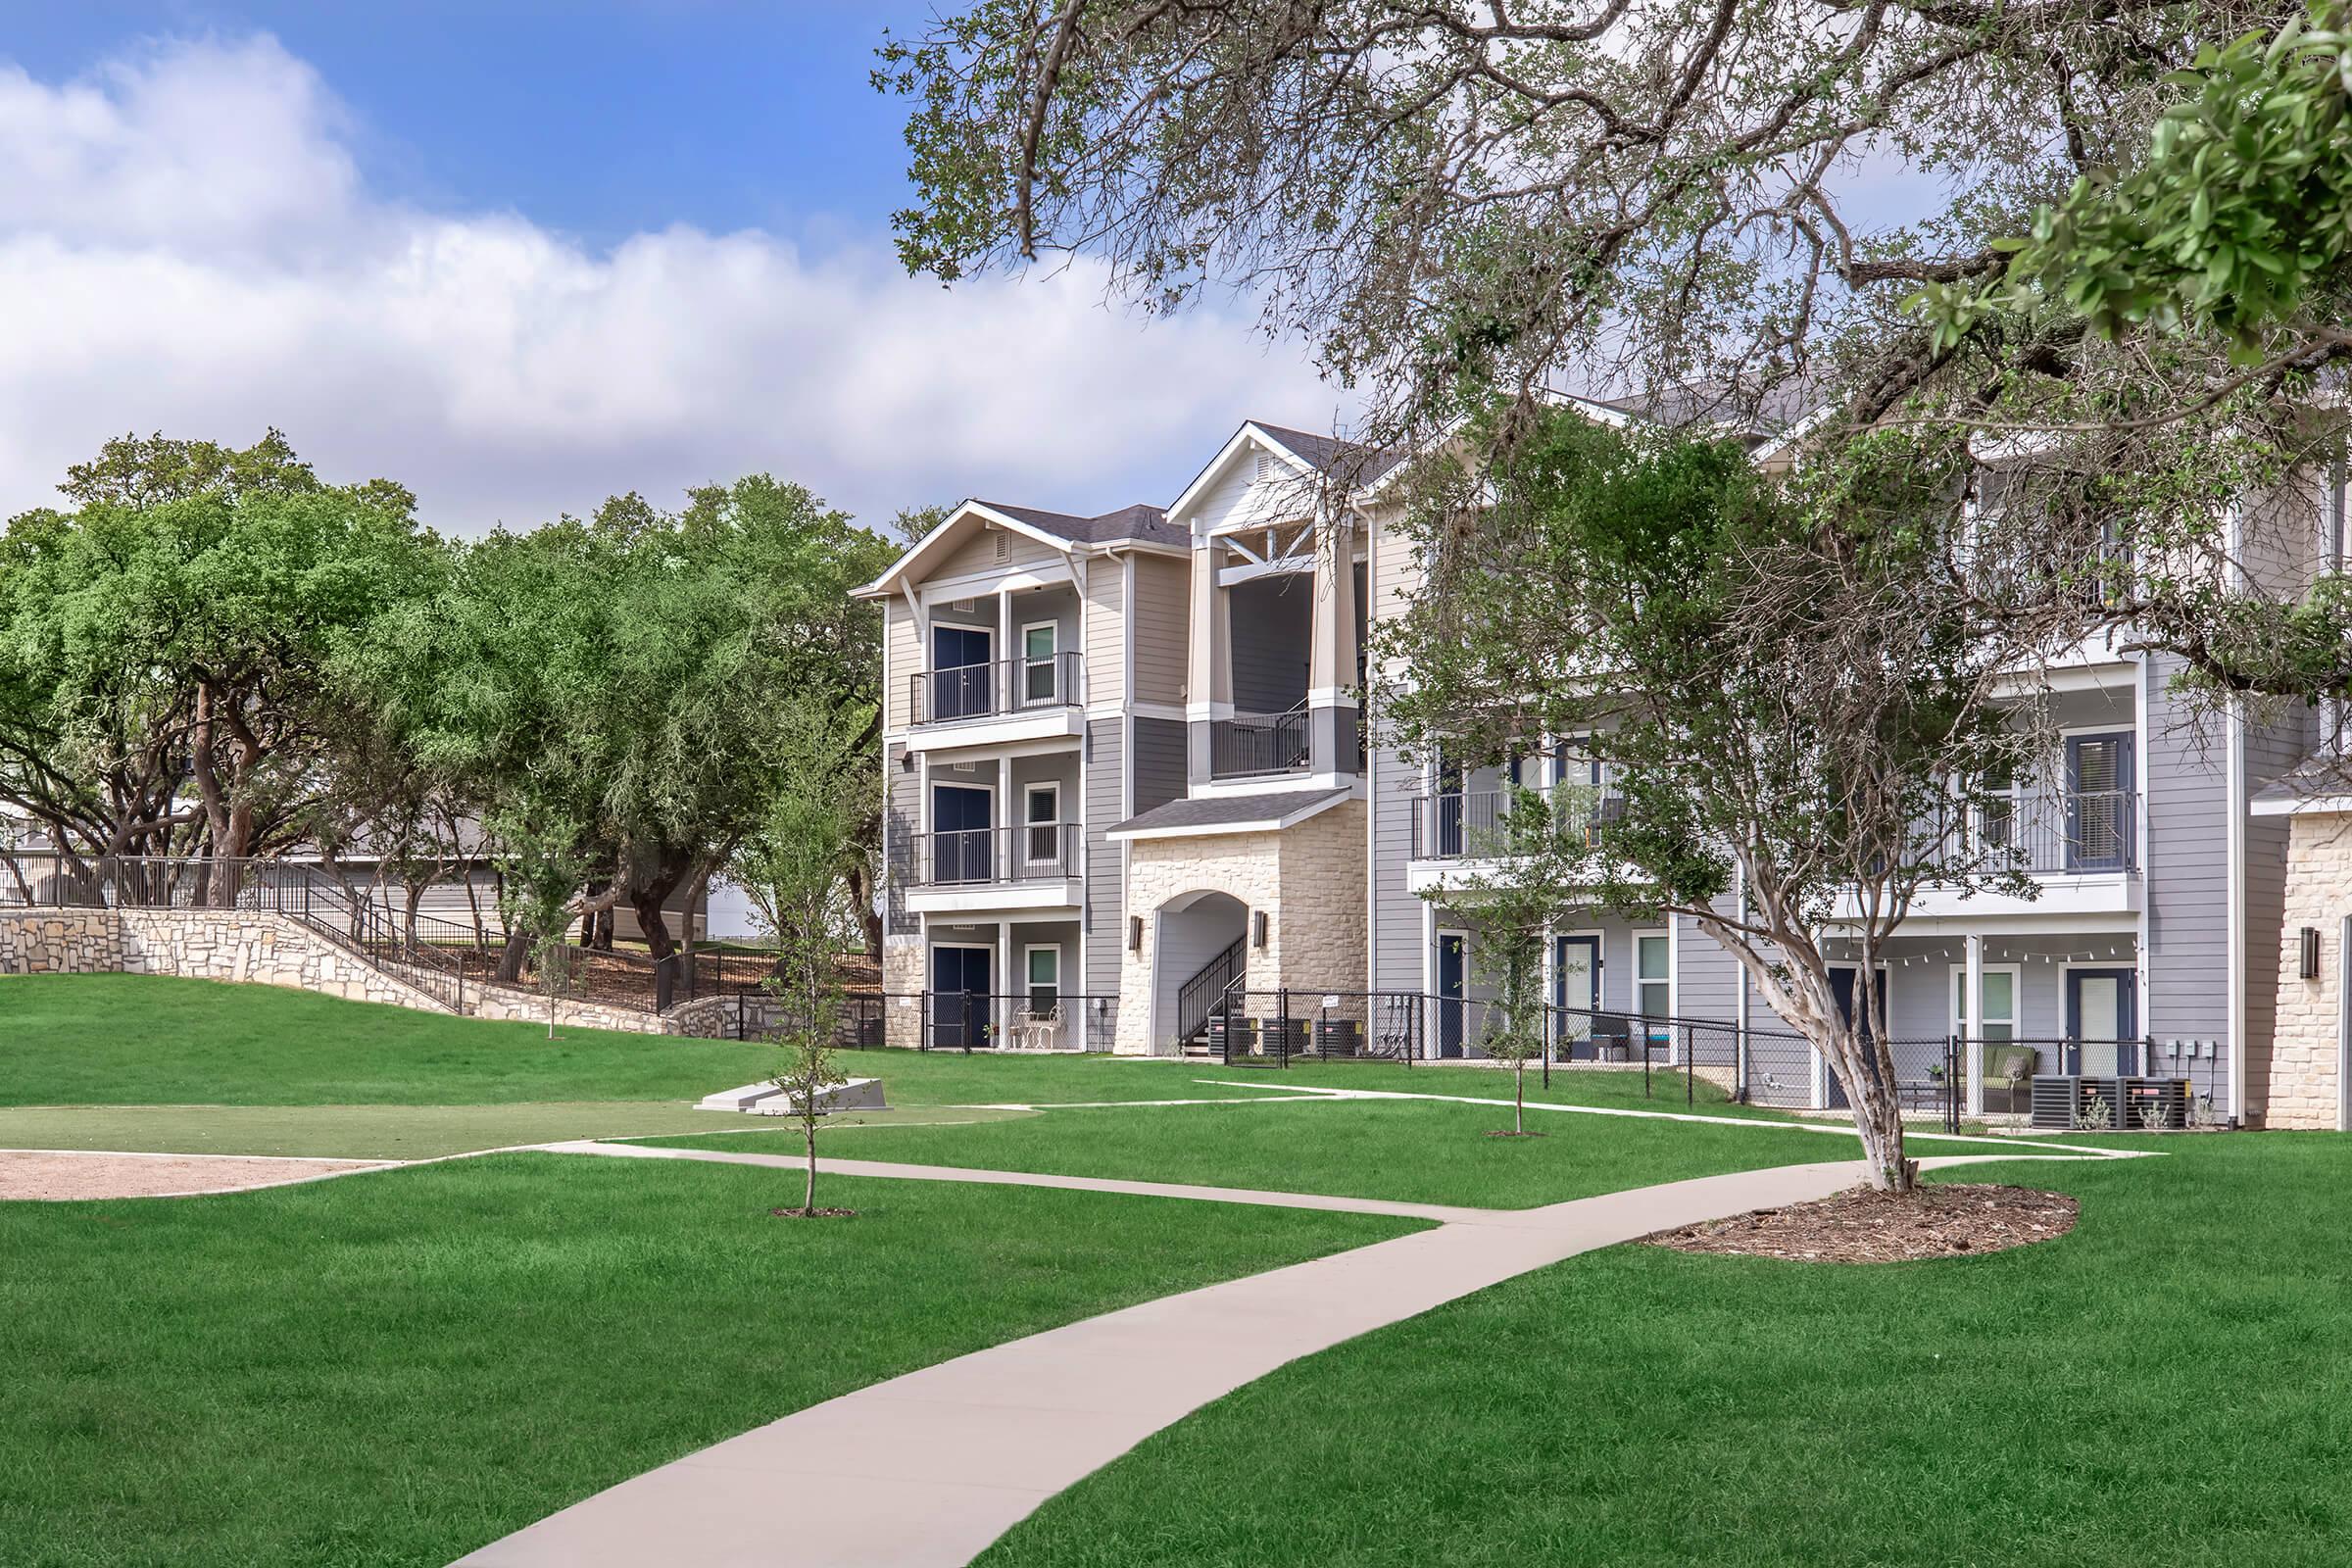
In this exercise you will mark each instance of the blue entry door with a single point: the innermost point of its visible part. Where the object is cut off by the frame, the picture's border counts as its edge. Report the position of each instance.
(1575, 994)
(959, 998)
(1843, 983)
(961, 833)
(963, 681)
(2102, 1022)
(1451, 975)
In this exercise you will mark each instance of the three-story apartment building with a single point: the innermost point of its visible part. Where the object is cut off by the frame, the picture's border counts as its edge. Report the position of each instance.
(1129, 797)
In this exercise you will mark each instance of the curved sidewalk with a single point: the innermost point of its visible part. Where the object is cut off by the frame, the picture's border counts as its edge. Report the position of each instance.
(924, 1470)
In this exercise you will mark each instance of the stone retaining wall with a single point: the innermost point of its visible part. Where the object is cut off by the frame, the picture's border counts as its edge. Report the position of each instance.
(531, 1006)
(238, 945)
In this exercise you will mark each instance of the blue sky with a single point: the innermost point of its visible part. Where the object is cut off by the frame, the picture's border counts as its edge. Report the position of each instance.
(598, 119)
(520, 257)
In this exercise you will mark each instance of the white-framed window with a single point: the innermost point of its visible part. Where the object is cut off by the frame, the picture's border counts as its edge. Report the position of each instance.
(1994, 1017)
(1041, 670)
(1042, 975)
(1041, 823)
(1654, 977)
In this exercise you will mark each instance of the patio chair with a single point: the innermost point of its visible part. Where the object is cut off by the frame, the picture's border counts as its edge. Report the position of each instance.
(1035, 1031)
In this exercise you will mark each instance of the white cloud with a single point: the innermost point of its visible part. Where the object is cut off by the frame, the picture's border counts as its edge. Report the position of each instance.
(188, 245)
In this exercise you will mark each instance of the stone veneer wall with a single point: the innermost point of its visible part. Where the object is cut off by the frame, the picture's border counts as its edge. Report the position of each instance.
(531, 1006)
(903, 976)
(238, 945)
(2304, 1046)
(1308, 880)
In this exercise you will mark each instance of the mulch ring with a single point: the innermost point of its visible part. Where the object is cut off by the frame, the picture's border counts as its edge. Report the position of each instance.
(1865, 1226)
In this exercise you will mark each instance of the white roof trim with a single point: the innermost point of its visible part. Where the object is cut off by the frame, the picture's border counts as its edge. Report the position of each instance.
(2302, 805)
(1205, 830)
(1251, 431)
(905, 563)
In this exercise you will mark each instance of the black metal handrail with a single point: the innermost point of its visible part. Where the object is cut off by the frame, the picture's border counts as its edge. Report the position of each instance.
(1035, 851)
(1249, 744)
(992, 690)
(1200, 995)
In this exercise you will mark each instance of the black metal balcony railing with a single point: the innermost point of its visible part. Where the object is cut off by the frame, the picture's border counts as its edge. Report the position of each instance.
(991, 691)
(977, 856)
(2055, 832)
(1249, 743)
(1469, 824)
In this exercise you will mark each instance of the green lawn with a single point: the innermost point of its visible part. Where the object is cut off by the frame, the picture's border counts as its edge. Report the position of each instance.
(392, 1369)
(146, 1040)
(2168, 1385)
(382, 1132)
(1410, 1150)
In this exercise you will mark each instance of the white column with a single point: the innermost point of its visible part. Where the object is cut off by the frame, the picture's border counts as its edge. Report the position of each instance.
(1208, 679)
(1331, 657)
(1971, 1026)
(1000, 693)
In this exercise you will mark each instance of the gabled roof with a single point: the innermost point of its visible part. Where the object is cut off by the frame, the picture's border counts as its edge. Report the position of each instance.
(1348, 464)
(1062, 531)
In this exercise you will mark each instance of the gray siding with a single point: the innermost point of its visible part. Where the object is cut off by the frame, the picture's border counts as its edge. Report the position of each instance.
(2186, 863)
(1160, 759)
(1161, 615)
(1105, 912)
(1396, 911)
(1708, 985)
(899, 816)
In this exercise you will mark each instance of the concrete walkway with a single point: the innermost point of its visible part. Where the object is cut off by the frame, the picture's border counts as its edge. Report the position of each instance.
(923, 1471)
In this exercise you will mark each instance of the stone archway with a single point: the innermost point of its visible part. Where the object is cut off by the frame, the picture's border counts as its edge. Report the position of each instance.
(1187, 932)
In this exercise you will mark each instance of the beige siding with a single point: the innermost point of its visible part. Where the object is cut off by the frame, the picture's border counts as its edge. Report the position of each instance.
(905, 662)
(1163, 613)
(1105, 631)
(991, 548)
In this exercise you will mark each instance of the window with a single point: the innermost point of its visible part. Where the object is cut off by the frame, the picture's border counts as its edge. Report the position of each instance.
(1045, 979)
(1041, 671)
(1653, 978)
(1041, 817)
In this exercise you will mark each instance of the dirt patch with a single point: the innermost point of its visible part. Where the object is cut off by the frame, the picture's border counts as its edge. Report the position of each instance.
(1865, 1226)
(69, 1176)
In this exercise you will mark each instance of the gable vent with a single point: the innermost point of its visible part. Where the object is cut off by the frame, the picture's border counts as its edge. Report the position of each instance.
(1269, 468)
(963, 607)
(1004, 545)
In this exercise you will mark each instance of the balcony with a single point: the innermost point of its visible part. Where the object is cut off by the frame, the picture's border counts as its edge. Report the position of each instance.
(1009, 699)
(1259, 745)
(1475, 825)
(1035, 865)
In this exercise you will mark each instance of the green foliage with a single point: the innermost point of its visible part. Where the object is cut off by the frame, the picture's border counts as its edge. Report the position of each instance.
(2238, 213)
(180, 631)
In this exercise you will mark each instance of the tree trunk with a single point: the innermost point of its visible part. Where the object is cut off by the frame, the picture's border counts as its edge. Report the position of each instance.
(1866, 1072)
(647, 894)
(861, 895)
(510, 962)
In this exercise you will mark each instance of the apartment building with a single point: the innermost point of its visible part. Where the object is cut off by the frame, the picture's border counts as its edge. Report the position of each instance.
(1129, 796)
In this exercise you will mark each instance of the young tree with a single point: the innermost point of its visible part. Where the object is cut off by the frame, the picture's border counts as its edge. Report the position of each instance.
(1801, 706)
(1516, 913)
(792, 866)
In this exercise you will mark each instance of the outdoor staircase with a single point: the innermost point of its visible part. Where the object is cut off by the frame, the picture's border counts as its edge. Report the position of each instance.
(1198, 998)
